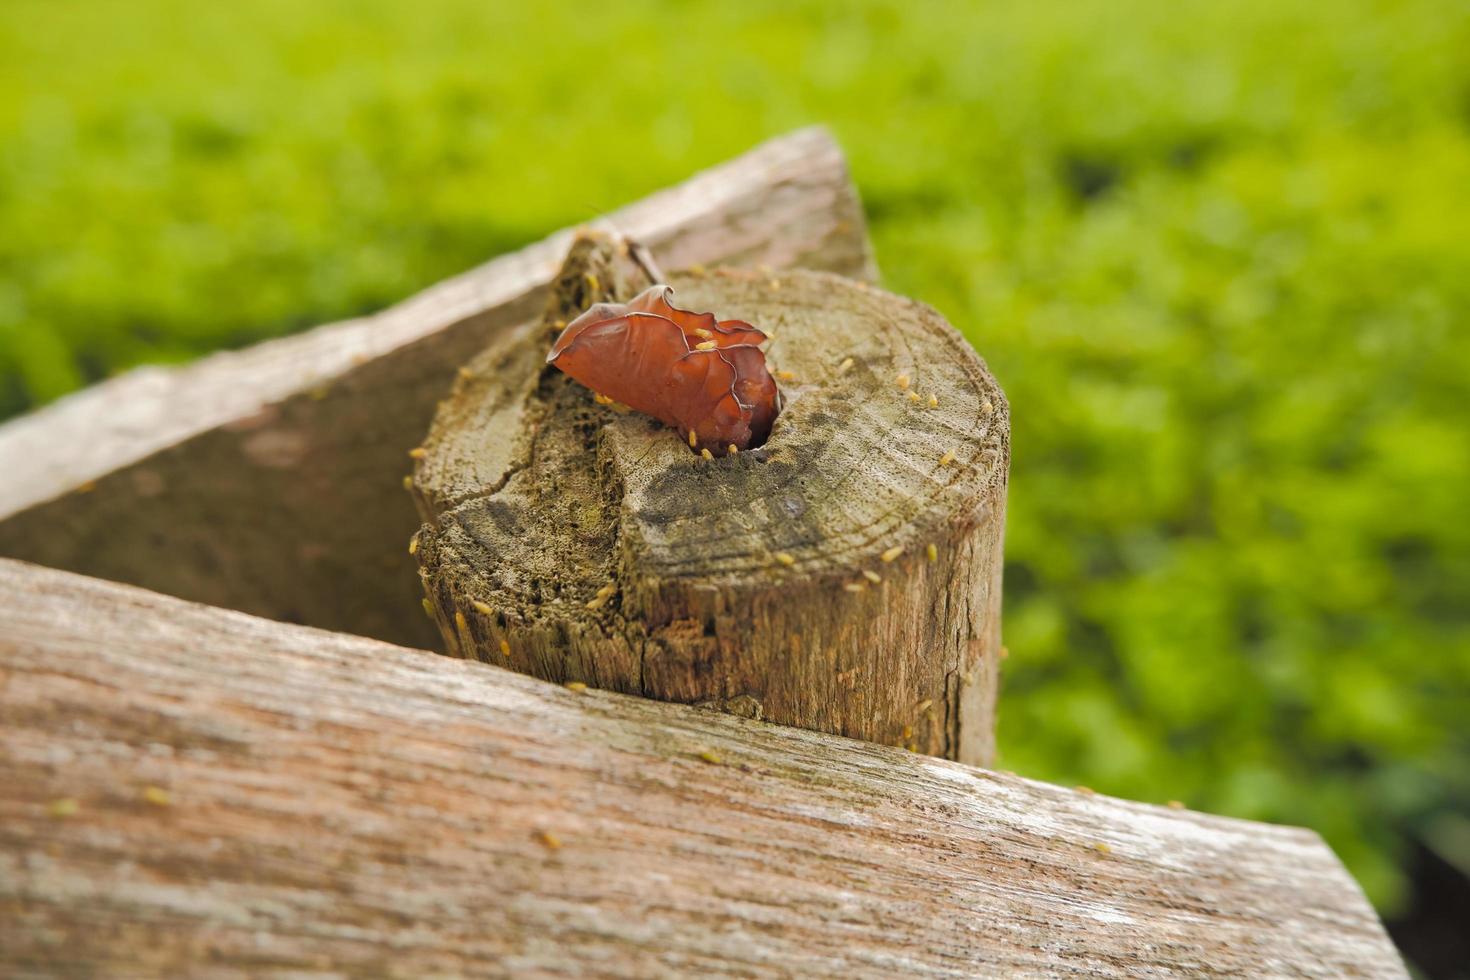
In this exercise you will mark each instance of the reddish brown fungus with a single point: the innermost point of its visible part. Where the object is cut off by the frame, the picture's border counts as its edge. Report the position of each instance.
(701, 375)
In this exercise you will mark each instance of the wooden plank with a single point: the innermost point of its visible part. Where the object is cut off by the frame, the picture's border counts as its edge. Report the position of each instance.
(227, 481)
(191, 790)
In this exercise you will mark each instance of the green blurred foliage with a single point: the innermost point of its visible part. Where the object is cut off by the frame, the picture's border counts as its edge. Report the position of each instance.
(1217, 254)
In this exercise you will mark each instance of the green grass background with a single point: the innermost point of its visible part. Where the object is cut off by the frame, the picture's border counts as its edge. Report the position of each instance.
(1218, 254)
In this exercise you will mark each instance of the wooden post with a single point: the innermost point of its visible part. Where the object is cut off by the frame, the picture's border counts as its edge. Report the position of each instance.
(844, 577)
(187, 791)
(227, 481)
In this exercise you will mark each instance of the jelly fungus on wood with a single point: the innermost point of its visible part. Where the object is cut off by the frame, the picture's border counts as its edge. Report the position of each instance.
(650, 355)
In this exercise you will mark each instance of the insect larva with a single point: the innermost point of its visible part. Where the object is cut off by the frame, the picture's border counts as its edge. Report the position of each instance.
(1086, 790)
(845, 366)
(603, 594)
(577, 686)
(408, 482)
(932, 552)
(924, 705)
(428, 608)
(693, 439)
(855, 586)
(417, 452)
(914, 396)
(705, 334)
(706, 453)
(157, 795)
(891, 553)
(733, 449)
(1176, 805)
(908, 732)
(550, 840)
(872, 576)
(601, 399)
(705, 345)
(466, 373)
(947, 458)
(504, 648)
(710, 757)
(933, 401)
(785, 557)
(1102, 848)
(903, 380)
(483, 608)
(592, 282)
(460, 622)
(786, 375)
(413, 545)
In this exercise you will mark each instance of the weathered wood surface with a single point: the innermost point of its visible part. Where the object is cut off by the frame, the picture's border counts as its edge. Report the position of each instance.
(187, 790)
(843, 577)
(269, 480)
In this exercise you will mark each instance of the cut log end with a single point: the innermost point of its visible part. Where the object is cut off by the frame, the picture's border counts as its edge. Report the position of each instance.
(843, 577)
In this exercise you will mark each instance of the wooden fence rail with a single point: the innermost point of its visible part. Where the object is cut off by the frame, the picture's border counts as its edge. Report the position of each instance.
(189, 790)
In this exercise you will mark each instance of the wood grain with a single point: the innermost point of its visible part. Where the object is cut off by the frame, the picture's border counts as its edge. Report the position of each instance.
(192, 791)
(226, 481)
(843, 577)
